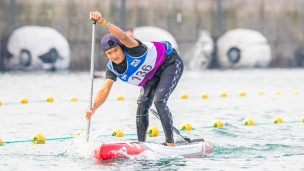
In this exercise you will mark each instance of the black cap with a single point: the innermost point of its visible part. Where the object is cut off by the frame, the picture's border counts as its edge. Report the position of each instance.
(109, 41)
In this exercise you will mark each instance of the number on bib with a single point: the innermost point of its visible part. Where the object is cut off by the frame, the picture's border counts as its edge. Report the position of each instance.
(144, 70)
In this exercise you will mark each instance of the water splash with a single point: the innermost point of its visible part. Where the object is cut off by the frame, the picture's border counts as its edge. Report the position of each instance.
(80, 148)
(202, 53)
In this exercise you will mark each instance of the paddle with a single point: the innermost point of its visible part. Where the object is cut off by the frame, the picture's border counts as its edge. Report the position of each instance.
(92, 78)
(174, 129)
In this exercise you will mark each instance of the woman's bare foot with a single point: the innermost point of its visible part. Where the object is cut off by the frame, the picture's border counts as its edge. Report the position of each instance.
(171, 144)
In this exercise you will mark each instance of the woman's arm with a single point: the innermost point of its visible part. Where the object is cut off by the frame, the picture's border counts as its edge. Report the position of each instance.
(115, 31)
(100, 97)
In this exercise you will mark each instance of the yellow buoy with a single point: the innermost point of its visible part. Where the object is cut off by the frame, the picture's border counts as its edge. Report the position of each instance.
(223, 94)
(77, 133)
(49, 99)
(277, 92)
(120, 98)
(295, 92)
(0, 102)
(74, 99)
(248, 122)
(152, 131)
(277, 120)
(38, 139)
(0, 142)
(302, 119)
(204, 95)
(117, 132)
(242, 93)
(184, 96)
(217, 123)
(260, 92)
(23, 100)
(186, 126)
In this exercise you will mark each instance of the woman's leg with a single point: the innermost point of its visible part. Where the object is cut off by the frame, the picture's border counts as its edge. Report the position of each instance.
(144, 102)
(168, 81)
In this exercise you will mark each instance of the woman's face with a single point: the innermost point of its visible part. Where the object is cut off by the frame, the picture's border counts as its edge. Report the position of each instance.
(115, 54)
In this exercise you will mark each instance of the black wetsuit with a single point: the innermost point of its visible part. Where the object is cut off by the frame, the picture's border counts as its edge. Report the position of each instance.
(156, 90)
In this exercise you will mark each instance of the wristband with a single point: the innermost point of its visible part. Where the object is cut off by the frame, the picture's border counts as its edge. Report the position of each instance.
(107, 25)
(104, 23)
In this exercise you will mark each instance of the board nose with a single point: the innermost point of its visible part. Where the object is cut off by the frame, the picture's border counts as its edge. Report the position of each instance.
(97, 153)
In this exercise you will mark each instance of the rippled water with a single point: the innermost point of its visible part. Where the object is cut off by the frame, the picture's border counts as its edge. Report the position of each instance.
(265, 146)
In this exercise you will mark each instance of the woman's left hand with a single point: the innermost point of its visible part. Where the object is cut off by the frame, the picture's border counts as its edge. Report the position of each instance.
(96, 16)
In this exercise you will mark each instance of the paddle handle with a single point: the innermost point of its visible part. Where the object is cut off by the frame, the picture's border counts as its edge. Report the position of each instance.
(92, 79)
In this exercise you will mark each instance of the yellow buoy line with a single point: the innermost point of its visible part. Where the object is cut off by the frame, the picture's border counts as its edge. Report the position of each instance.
(50, 99)
(152, 131)
(204, 95)
(224, 94)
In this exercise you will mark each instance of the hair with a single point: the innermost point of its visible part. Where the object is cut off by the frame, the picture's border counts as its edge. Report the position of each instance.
(122, 46)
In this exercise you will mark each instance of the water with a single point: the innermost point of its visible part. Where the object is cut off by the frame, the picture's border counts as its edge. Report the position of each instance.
(265, 146)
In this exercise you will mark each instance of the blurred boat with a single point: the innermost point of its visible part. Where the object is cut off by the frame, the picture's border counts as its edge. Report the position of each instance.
(241, 48)
(152, 33)
(38, 48)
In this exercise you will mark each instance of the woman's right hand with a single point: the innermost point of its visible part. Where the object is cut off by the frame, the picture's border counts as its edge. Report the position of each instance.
(89, 113)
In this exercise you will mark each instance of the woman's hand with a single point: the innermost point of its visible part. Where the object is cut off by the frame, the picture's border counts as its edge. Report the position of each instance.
(100, 97)
(89, 113)
(96, 16)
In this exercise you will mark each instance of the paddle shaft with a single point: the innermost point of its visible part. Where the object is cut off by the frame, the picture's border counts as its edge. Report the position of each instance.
(174, 129)
(92, 79)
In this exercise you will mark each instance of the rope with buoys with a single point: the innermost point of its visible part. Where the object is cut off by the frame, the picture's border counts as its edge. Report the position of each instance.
(204, 95)
(152, 131)
(50, 99)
